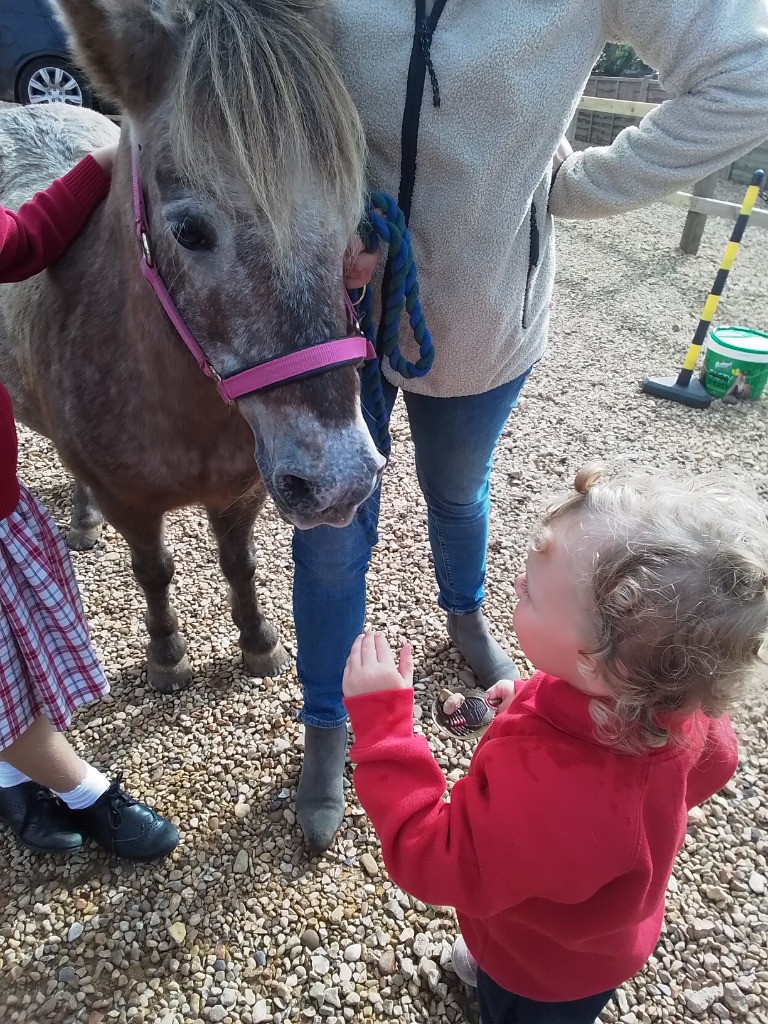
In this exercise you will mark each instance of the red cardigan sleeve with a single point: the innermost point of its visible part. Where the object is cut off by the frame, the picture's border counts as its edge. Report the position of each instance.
(43, 228)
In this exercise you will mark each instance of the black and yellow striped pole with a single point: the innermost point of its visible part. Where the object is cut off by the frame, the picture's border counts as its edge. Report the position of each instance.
(683, 388)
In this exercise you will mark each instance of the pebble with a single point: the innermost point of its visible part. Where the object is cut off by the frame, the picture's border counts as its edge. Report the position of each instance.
(310, 939)
(757, 883)
(241, 863)
(261, 1012)
(75, 931)
(369, 864)
(178, 932)
(320, 965)
(735, 999)
(387, 962)
(331, 996)
(353, 953)
(429, 971)
(700, 1001)
(701, 928)
(216, 1014)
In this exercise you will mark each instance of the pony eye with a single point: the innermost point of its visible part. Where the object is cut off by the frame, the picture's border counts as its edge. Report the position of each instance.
(192, 234)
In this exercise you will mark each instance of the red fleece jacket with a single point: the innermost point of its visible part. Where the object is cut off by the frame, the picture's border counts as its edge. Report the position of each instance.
(555, 849)
(30, 241)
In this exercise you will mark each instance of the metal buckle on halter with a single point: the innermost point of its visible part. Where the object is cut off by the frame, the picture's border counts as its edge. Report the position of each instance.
(146, 252)
(354, 322)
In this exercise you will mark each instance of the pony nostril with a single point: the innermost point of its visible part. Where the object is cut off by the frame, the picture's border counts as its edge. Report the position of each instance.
(295, 491)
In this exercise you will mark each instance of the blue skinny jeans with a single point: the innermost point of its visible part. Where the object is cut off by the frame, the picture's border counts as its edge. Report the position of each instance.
(454, 441)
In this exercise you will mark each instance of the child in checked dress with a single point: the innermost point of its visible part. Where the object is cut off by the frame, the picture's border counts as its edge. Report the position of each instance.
(50, 797)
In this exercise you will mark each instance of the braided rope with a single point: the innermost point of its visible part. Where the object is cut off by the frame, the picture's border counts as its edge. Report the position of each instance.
(386, 223)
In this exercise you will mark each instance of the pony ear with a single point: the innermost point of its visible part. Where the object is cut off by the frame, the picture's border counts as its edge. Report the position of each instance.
(125, 46)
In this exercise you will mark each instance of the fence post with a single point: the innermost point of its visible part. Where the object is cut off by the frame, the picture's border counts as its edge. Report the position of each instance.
(571, 133)
(695, 222)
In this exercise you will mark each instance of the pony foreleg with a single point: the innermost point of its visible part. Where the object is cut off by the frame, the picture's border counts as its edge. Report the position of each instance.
(263, 654)
(86, 520)
(168, 667)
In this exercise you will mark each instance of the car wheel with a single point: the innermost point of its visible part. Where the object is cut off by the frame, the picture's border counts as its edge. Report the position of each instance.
(52, 80)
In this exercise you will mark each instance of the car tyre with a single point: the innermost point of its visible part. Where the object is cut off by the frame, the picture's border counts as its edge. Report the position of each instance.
(53, 80)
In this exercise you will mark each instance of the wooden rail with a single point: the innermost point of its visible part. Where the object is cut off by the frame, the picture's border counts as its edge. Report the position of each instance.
(627, 108)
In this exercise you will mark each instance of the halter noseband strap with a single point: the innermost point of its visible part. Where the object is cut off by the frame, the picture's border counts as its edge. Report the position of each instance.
(294, 366)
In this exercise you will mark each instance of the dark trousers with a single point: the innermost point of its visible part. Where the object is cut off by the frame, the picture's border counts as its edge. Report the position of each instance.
(497, 1006)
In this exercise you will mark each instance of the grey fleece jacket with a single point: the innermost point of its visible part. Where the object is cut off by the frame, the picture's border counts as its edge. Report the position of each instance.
(510, 76)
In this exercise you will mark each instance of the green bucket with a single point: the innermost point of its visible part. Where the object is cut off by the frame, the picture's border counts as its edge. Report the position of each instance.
(736, 363)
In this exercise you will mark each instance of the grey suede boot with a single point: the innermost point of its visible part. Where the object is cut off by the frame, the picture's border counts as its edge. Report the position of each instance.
(320, 800)
(481, 652)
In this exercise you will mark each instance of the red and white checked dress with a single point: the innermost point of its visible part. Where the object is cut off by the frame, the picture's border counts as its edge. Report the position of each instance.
(47, 663)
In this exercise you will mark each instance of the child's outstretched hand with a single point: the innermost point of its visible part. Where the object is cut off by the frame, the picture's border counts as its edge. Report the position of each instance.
(501, 694)
(371, 667)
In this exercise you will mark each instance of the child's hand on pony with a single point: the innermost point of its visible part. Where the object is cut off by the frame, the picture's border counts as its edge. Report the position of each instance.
(105, 157)
(371, 667)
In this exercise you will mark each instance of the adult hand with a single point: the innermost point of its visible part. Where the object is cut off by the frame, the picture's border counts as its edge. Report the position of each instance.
(371, 667)
(105, 157)
(501, 694)
(359, 264)
(563, 151)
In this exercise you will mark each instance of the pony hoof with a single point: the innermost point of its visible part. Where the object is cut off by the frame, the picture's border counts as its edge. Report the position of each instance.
(83, 539)
(169, 679)
(270, 664)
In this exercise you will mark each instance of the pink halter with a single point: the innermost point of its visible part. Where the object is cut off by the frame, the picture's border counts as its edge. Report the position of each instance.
(305, 362)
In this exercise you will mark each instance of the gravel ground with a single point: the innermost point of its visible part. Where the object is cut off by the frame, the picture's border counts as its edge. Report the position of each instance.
(241, 925)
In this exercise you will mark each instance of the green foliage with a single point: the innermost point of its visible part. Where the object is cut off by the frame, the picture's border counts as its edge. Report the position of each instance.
(618, 59)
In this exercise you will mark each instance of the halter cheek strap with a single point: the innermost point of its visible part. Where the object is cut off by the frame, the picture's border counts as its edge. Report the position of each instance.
(291, 367)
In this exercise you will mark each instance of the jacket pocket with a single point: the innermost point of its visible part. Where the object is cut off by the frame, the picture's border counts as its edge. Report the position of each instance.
(534, 254)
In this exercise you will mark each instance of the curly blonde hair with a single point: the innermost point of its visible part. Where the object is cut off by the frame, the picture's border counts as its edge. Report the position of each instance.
(679, 587)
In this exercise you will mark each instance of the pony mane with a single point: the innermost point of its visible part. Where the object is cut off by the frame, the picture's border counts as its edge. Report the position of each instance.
(257, 81)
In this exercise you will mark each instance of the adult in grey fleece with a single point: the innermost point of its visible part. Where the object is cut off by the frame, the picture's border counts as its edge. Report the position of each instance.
(510, 76)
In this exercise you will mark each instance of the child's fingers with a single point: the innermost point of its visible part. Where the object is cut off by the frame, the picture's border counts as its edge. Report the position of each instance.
(405, 664)
(383, 650)
(368, 648)
(501, 694)
(355, 659)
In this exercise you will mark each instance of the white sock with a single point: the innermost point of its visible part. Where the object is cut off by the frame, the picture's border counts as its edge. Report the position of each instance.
(88, 792)
(10, 776)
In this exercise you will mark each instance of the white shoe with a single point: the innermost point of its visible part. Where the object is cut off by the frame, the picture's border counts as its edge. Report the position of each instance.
(464, 964)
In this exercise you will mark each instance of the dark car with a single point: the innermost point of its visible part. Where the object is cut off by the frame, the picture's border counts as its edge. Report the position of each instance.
(35, 63)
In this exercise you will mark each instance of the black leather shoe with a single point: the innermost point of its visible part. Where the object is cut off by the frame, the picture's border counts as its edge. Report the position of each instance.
(125, 826)
(39, 819)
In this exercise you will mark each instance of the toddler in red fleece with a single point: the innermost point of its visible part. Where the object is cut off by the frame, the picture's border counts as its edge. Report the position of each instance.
(643, 606)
